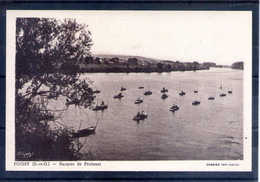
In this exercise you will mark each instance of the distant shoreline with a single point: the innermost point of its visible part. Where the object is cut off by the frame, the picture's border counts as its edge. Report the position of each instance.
(127, 64)
(137, 64)
(115, 69)
(124, 64)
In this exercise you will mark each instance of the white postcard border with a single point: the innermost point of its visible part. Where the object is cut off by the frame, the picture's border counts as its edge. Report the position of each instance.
(184, 165)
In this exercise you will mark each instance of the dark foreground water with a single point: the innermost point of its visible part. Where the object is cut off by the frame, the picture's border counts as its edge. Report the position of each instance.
(212, 130)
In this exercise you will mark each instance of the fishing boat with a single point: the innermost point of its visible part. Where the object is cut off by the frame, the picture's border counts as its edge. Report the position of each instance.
(230, 92)
(140, 87)
(182, 93)
(138, 101)
(96, 91)
(148, 92)
(211, 98)
(174, 108)
(196, 102)
(122, 89)
(140, 116)
(118, 96)
(222, 95)
(164, 96)
(164, 90)
(102, 107)
(85, 132)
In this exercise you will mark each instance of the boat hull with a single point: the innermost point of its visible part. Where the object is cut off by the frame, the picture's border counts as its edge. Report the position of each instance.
(174, 108)
(164, 97)
(148, 93)
(84, 132)
(98, 108)
(163, 91)
(195, 103)
(138, 118)
(96, 91)
(138, 101)
(118, 97)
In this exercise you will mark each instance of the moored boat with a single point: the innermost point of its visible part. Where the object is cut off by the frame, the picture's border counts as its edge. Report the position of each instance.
(85, 132)
(164, 96)
(122, 89)
(182, 93)
(96, 91)
(138, 101)
(118, 96)
(100, 107)
(196, 102)
(164, 90)
(148, 92)
(174, 108)
(140, 116)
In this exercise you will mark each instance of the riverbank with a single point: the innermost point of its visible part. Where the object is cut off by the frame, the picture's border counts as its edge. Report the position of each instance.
(145, 68)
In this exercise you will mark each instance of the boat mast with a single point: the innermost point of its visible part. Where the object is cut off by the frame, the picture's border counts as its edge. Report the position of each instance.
(80, 124)
(97, 123)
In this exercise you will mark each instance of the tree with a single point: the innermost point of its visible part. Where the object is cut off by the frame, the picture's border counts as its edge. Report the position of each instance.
(114, 60)
(96, 60)
(168, 67)
(48, 54)
(89, 60)
(238, 65)
(160, 66)
(132, 61)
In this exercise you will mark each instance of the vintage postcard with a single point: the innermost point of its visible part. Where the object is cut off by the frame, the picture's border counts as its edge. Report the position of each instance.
(128, 90)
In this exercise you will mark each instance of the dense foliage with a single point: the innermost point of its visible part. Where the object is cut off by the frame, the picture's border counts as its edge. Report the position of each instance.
(48, 55)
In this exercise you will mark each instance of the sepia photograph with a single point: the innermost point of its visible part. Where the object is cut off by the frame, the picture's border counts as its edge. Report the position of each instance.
(131, 86)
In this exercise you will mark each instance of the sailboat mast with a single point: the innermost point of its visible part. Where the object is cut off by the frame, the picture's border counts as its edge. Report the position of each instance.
(80, 124)
(97, 122)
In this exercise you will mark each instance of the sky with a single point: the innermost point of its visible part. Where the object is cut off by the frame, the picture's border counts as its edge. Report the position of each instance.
(222, 37)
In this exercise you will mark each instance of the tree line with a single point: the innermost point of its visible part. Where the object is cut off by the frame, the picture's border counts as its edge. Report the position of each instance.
(132, 64)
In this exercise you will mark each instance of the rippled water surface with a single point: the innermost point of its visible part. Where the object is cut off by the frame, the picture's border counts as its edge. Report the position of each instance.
(212, 130)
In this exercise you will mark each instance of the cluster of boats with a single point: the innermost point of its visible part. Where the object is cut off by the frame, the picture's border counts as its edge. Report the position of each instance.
(140, 115)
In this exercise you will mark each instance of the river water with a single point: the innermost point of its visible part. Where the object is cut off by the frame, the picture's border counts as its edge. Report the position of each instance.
(212, 130)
